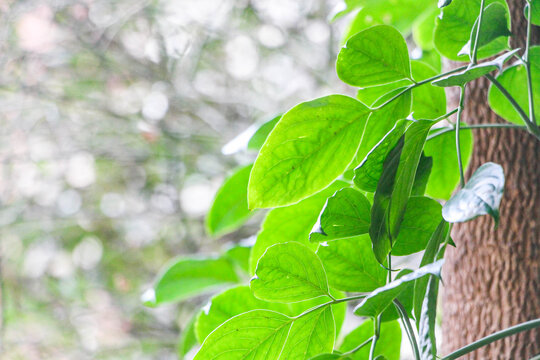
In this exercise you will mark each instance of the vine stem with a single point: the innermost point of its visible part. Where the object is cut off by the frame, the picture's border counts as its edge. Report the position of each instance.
(410, 87)
(477, 126)
(458, 141)
(477, 37)
(350, 352)
(526, 60)
(533, 128)
(493, 337)
(408, 328)
(376, 331)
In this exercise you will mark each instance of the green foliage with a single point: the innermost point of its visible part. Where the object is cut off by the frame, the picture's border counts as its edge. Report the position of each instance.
(480, 196)
(363, 62)
(288, 168)
(325, 235)
(345, 214)
(289, 272)
(514, 80)
(229, 209)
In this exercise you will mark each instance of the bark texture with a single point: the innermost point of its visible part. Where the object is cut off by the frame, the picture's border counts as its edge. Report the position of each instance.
(492, 278)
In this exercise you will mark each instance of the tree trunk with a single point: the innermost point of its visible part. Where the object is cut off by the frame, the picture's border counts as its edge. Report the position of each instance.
(492, 277)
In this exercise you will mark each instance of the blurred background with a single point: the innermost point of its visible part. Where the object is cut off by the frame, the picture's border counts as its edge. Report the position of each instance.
(113, 115)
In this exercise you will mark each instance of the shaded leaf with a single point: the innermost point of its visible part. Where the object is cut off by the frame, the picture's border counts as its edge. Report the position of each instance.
(350, 264)
(298, 158)
(257, 334)
(421, 218)
(453, 30)
(185, 278)
(363, 62)
(535, 13)
(422, 175)
(378, 300)
(475, 71)
(291, 223)
(289, 272)
(345, 214)
(394, 187)
(388, 344)
(480, 196)
(229, 210)
(445, 170)
(494, 24)
(187, 340)
(405, 297)
(426, 335)
(514, 80)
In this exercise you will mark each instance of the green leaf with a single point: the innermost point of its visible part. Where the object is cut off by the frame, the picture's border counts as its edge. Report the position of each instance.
(368, 173)
(364, 62)
(187, 338)
(185, 278)
(381, 121)
(230, 303)
(429, 102)
(422, 175)
(229, 210)
(310, 335)
(371, 94)
(480, 196)
(395, 186)
(239, 255)
(535, 13)
(494, 24)
(289, 272)
(445, 171)
(345, 214)
(423, 27)
(378, 300)
(257, 335)
(291, 223)
(388, 344)
(405, 297)
(420, 286)
(453, 30)
(514, 80)
(426, 334)
(350, 264)
(475, 71)
(298, 158)
(421, 218)
(259, 137)
(334, 356)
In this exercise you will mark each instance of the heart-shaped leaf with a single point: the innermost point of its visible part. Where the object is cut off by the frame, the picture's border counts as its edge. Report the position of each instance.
(480, 196)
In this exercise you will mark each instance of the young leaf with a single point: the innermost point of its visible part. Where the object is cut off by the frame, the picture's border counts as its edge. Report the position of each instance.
(298, 158)
(429, 102)
(426, 333)
(291, 223)
(350, 264)
(185, 278)
(229, 210)
(475, 71)
(364, 62)
(514, 80)
(289, 272)
(422, 175)
(445, 172)
(381, 121)
(421, 218)
(388, 344)
(187, 338)
(345, 214)
(259, 137)
(310, 335)
(453, 30)
(376, 302)
(394, 187)
(494, 24)
(420, 285)
(257, 335)
(230, 303)
(480, 196)
(368, 173)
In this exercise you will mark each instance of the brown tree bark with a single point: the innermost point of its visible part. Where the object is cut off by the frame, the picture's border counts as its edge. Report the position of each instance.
(492, 277)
